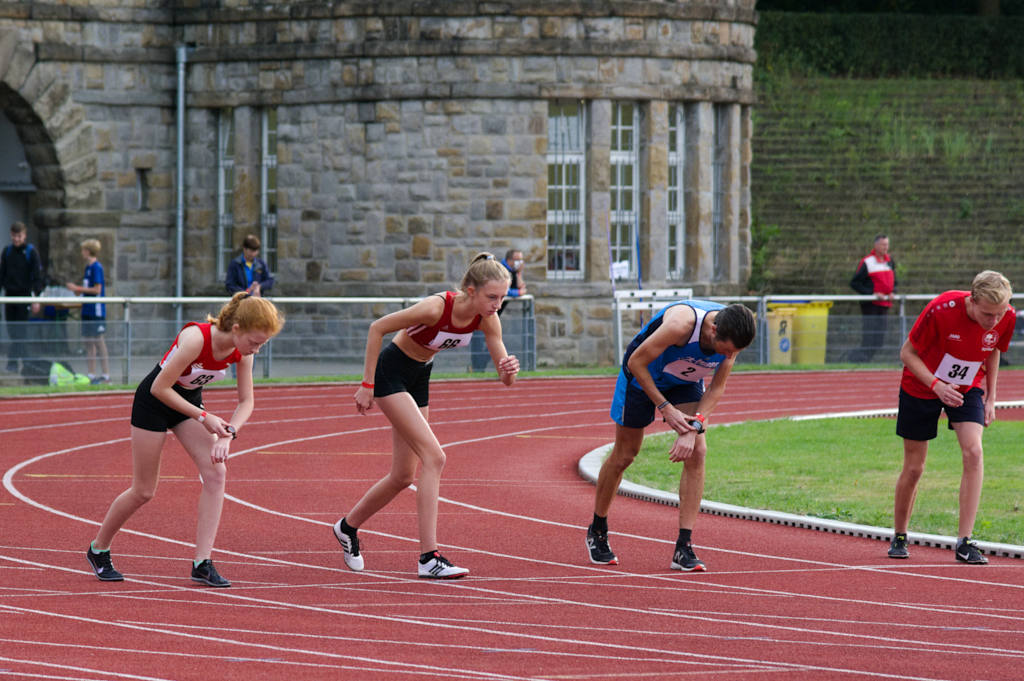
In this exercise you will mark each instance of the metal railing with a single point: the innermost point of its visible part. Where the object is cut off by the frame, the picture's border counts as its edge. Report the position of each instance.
(321, 336)
(834, 334)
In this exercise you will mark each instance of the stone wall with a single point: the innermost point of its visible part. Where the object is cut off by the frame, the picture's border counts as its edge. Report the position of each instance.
(410, 136)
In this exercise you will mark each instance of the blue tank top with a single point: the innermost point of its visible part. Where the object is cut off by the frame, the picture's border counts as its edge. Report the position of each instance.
(678, 364)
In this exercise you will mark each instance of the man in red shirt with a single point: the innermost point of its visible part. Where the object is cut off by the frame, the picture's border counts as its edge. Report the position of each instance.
(955, 344)
(875, 276)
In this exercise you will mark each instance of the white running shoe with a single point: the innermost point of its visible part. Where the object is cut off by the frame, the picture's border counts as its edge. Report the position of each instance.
(349, 547)
(439, 567)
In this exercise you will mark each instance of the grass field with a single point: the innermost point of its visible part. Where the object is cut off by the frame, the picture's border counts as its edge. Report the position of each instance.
(846, 469)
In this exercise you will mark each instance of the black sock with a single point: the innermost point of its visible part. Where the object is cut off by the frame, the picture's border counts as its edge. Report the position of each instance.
(426, 557)
(348, 529)
(684, 537)
(600, 524)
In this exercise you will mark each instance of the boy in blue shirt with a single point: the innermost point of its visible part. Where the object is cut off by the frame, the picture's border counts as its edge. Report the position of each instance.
(663, 372)
(94, 315)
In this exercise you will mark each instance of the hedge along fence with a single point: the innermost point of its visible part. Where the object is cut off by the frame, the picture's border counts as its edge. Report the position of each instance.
(890, 45)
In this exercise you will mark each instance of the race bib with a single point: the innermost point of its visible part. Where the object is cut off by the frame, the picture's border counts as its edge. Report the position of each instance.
(199, 376)
(688, 370)
(957, 371)
(445, 340)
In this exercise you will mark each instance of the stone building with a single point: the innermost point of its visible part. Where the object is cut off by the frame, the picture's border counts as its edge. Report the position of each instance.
(376, 146)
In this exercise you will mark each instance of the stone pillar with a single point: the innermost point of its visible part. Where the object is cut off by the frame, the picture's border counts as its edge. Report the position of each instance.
(731, 167)
(743, 229)
(654, 188)
(598, 182)
(248, 158)
(698, 192)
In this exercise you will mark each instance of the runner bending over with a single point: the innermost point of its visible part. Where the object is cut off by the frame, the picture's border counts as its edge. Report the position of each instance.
(398, 379)
(663, 370)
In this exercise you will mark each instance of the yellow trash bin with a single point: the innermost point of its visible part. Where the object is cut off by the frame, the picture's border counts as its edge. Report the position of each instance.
(810, 331)
(780, 334)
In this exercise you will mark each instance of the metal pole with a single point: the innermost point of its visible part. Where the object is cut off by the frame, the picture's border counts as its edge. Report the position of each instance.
(179, 237)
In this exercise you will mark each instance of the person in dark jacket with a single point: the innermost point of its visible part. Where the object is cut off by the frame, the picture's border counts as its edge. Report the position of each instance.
(249, 272)
(875, 276)
(21, 274)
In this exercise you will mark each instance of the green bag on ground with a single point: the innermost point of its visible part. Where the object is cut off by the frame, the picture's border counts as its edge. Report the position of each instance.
(61, 375)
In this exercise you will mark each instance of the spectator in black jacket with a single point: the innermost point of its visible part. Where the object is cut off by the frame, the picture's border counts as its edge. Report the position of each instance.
(21, 274)
(248, 272)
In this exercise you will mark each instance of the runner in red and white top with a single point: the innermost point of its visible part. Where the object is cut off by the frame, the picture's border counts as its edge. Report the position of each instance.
(951, 364)
(398, 379)
(171, 398)
(954, 346)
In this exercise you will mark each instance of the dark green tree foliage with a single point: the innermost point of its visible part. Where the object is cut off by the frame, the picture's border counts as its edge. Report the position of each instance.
(891, 45)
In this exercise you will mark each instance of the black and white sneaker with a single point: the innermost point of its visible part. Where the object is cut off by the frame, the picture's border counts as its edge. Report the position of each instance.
(686, 560)
(102, 566)
(967, 552)
(205, 573)
(349, 547)
(597, 547)
(439, 567)
(898, 547)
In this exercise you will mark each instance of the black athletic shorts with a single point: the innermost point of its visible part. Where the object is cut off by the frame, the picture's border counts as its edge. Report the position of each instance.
(149, 413)
(918, 419)
(398, 373)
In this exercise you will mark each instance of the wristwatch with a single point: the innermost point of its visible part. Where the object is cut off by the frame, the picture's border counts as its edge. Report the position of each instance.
(698, 425)
(231, 429)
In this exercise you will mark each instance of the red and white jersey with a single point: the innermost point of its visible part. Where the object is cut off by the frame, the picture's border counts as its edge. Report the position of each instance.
(953, 346)
(204, 369)
(443, 334)
(880, 272)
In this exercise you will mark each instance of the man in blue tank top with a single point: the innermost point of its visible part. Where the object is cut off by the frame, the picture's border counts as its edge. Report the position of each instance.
(663, 370)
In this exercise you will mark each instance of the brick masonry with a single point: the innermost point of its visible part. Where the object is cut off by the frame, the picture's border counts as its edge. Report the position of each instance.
(411, 134)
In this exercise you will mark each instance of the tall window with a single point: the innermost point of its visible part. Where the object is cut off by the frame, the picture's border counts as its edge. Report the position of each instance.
(566, 158)
(718, 187)
(676, 195)
(225, 190)
(268, 187)
(624, 191)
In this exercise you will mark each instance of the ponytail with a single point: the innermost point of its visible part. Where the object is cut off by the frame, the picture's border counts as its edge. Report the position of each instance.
(251, 313)
(482, 269)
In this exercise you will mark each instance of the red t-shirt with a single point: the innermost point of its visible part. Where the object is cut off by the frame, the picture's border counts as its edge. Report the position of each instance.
(953, 346)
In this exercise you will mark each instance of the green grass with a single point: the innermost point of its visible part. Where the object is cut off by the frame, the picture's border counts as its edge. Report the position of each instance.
(846, 469)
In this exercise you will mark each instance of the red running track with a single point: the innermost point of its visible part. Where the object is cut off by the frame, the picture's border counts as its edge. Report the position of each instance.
(777, 602)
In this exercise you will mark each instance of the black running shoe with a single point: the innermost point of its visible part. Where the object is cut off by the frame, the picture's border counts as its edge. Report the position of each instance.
(597, 547)
(205, 573)
(102, 566)
(898, 547)
(686, 560)
(967, 552)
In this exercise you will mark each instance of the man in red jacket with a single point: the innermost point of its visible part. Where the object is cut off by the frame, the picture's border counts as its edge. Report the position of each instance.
(875, 276)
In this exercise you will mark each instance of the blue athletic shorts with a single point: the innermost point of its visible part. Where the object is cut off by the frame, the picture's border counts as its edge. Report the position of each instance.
(918, 419)
(398, 373)
(93, 328)
(633, 409)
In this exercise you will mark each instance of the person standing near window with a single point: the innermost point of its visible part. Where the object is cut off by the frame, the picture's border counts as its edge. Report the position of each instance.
(249, 272)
